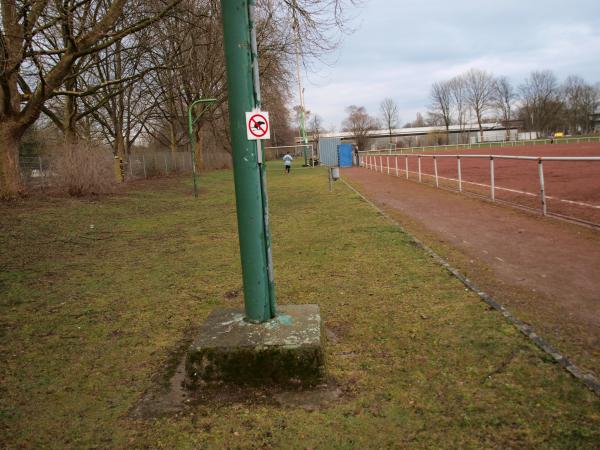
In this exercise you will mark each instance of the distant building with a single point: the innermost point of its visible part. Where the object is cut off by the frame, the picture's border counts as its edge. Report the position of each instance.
(422, 136)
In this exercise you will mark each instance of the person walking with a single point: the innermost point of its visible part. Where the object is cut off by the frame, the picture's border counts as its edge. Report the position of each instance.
(287, 161)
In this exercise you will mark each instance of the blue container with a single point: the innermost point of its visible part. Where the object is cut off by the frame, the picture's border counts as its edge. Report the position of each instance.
(345, 155)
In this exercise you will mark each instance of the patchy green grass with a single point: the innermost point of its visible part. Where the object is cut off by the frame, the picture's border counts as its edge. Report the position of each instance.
(97, 295)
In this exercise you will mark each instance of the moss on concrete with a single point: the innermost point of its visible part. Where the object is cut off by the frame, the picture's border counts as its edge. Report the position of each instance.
(286, 350)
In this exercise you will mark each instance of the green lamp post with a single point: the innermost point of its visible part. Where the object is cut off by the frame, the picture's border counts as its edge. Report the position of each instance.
(248, 162)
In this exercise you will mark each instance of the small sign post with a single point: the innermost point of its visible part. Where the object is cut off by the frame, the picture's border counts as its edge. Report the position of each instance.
(258, 126)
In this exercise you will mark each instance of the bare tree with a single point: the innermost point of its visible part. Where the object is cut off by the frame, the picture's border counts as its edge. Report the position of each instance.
(540, 101)
(504, 97)
(581, 101)
(389, 115)
(419, 122)
(316, 23)
(479, 86)
(315, 128)
(458, 93)
(441, 104)
(359, 123)
(42, 42)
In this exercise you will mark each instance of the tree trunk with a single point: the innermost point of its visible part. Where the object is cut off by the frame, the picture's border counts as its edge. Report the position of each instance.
(172, 138)
(11, 185)
(480, 128)
(70, 112)
(70, 135)
(120, 145)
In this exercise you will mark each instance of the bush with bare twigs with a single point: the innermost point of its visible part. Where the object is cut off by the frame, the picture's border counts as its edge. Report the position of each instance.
(84, 169)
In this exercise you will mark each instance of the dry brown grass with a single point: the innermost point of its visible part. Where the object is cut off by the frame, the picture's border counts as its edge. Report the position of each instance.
(84, 169)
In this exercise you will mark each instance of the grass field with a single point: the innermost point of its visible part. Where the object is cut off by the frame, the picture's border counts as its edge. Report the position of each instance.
(97, 296)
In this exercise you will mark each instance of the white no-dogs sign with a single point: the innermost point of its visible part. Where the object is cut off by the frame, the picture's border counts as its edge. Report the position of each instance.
(257, 125)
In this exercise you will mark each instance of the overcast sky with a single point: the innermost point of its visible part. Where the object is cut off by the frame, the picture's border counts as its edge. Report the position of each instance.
(399, 48)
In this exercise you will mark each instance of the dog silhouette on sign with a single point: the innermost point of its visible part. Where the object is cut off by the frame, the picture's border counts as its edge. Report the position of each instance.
(258, 125)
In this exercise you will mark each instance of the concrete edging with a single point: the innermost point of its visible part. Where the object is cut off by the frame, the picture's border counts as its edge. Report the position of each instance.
(586, 378)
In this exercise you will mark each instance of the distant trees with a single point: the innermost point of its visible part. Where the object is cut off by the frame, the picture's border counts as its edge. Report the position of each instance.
(441, 103)
(504, 98)
(359, 123)
(42, 44)
(541, 103)
(389, 115)
(479, 88)
(452, 99)
(315, 128)
(459, 102)
(417, 123)
(581, 101)
(122, 72)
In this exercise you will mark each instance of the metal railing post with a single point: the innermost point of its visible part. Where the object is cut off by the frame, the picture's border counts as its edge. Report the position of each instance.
(396, 162)
(459, 174)
(419, 159)
(406, 167)
(493, 193)
(435, 168)
(388, 164)
(542, 187)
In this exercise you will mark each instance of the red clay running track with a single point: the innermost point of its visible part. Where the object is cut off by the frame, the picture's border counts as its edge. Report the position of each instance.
(547, 271)
(572, 187)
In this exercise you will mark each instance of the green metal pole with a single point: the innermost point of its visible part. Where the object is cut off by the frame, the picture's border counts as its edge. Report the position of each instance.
(191, 122)
(253, 229)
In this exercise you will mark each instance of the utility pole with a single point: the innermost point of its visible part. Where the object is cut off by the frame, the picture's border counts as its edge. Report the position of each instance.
(303, 137)
(248, 161)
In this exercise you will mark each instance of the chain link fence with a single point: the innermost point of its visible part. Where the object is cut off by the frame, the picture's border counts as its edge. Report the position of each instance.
(156, 164)
(40, 171)
(36, 171)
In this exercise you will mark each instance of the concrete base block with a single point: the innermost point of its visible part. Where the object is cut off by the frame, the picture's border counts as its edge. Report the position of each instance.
(285, 350)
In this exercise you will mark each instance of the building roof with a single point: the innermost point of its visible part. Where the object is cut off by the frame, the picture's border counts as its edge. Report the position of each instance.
(418, 131)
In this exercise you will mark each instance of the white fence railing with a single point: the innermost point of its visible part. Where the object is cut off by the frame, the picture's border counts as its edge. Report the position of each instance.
(376, 163)
(393, 149)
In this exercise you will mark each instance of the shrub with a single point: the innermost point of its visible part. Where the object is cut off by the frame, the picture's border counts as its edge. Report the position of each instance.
(84, 169)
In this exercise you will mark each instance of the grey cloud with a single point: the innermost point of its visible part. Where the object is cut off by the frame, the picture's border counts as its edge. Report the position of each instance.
(400, 48)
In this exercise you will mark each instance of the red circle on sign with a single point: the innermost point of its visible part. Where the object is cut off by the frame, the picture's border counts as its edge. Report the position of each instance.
(258, 125)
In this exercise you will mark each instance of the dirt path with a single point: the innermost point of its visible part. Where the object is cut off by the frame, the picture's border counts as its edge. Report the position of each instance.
(546, 271)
